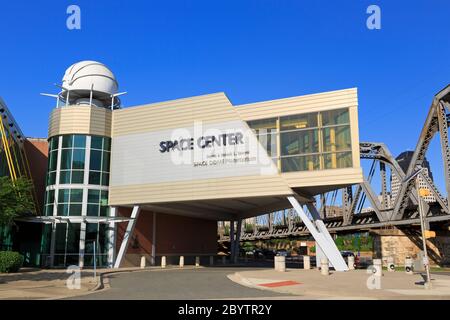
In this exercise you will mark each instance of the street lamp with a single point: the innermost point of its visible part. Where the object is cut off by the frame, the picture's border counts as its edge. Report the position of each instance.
(422, 215)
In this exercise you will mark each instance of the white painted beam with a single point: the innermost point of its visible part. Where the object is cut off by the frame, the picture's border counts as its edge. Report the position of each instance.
(126, 236)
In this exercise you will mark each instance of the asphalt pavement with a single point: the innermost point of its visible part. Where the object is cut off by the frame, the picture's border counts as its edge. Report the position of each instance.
(200, 283)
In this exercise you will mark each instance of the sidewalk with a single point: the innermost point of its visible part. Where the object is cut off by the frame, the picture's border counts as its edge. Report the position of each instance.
(51, 283)
(44, 284)
(310, 284)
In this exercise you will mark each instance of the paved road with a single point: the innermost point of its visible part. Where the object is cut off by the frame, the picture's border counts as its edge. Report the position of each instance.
(202, 283)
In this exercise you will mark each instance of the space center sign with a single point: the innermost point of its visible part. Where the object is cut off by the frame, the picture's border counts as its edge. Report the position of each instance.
(201, 151)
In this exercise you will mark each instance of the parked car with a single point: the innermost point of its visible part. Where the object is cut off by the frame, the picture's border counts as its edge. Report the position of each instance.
(283, 252)
(345, 254)
(268, 254)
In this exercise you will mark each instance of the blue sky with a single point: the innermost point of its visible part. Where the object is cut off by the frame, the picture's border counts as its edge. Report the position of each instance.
(252, 50)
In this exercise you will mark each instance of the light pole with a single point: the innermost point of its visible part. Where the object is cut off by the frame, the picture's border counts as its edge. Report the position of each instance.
(422, 216)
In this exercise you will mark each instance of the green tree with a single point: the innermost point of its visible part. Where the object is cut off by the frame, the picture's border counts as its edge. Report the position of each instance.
(15, 199)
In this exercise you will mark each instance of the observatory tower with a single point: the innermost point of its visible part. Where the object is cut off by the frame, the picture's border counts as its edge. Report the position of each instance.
(78, 168)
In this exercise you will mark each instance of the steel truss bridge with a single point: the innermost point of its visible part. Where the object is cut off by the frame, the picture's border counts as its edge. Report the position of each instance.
(385, 210)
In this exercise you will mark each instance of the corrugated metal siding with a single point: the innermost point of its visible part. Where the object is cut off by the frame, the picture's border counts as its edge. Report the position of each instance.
(214, 108)
(323, 177)
(173, 114)
(301, 104)
(233, 187)
(80, 120)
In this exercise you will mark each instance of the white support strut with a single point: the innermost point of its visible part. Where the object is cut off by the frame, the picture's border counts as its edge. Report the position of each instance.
(126, 237)
(322, 236)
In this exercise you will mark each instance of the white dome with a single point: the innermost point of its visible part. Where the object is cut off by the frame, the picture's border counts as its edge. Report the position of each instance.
(87, 75)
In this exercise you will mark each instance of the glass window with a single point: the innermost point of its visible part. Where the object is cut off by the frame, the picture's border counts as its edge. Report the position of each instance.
(104, 211)
(64, 177)
(50, 197)
(269, 142)
(105, 179)
(94, 177)
(79, 141)
(78, 159)
(338, 160)
(93, 196)
(105, 162)
(66, 159)
(106, 144)
(104, 198)
(263, 126)
(78, 176)
(63, 209)
(54, 143)
(67, 141)
(52, 160)
(49, 210)
(63, 195)
(297, 142)
(299, 121)
(51, 179)
(337, 138)
(75, 209)
(96, 142)
(300, 163)
(332, 117)
(76, 195)
(92, 210)
(96, 160)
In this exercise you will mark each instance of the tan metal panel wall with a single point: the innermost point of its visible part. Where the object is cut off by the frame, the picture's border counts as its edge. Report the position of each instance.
(234, 187)
(323, 177)
(80, 120)
(301, 104)
(213, 108)
(173, 114)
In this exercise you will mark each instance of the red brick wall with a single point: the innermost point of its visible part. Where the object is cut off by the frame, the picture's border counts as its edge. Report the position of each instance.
(37, 154)
(174, 235)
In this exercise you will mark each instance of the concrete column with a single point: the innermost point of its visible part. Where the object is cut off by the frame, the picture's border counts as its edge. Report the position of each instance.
(324, 268)
(306, 262)
(181, 261)
(231, 240)
(197, 261)
(112, 228)
(224, 260)
(163, 261)
(211, 260)
(390, 264)
(351, 262)
(154, 239)
(143, 262)
(82, 245)
(378, 266)
(280, 263)
(237, 241)
(52, 245)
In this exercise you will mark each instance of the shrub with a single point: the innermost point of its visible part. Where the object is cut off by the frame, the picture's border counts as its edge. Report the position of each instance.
(10, 261)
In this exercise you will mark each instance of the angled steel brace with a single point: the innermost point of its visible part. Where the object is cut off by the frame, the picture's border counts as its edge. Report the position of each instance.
(126, 237)
(445, 148)
(373, 200)
(321, 235)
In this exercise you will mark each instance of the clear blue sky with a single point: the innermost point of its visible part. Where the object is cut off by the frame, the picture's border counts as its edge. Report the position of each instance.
(253, 50)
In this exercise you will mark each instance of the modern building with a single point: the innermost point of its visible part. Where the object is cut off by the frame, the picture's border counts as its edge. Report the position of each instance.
(22, 157)
(404, 159)
(153, 180)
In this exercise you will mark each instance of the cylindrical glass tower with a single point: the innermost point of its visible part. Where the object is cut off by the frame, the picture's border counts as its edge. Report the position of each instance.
(78, 167)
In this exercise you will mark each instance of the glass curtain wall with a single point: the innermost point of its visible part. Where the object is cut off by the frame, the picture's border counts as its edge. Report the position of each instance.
(306, 142)
(77, 185)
